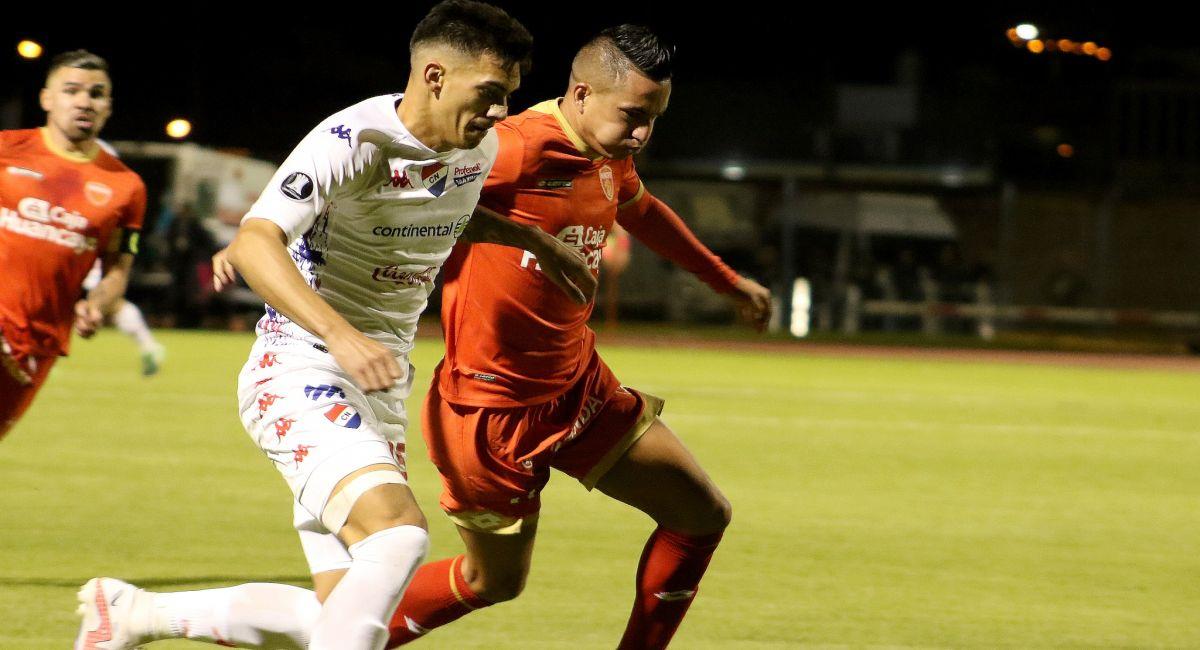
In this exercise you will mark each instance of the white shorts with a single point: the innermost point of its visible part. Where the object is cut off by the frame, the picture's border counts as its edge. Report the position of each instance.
(307, 416)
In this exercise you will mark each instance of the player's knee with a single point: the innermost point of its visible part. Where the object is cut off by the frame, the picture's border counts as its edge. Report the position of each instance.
(713, 517)
(497, 588)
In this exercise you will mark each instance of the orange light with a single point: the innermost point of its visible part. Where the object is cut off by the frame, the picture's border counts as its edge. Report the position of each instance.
(1104, 54)
(29, 49)
(1035, 46)
(1066, 45)
(1065, 150)
(1012, 34)
(179, 128)
(1051, 46)
(1089, 48)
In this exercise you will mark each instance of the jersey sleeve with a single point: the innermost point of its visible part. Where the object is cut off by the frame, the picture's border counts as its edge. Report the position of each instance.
(135, 210)
(631, 194)
(510, 160)
(657, 226)
(306, 181)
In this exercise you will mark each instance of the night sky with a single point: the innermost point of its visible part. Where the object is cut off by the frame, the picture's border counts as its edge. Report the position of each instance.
(751, 80)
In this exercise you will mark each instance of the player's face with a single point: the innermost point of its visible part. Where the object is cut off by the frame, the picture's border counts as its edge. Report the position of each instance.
(77, 102)
(474, 97)
(617, 121)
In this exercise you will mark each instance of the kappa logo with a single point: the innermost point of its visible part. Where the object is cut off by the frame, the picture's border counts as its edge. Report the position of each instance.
(324, 390)
(300, 453)
(267, 401)
(342, 133)
(606, 182)
(298, 186)
(464, 175)
(283, 426)
(268, 359)
(343, 415)
(399, 180)
(98, 194)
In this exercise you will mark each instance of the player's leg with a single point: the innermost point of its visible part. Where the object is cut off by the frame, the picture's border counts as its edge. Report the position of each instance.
(20, 378)
(384, 532)
(492, 570)
(492, 497)
(129, 320)
(659, 476)
(117, 615)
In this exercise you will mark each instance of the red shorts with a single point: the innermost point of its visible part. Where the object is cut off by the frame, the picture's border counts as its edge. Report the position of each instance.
(494, 461)
(21, 375)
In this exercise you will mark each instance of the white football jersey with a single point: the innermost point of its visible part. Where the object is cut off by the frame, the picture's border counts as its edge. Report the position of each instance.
(371, 214)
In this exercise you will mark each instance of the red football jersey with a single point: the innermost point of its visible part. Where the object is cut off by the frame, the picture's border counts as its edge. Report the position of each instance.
(58, 212)
(512, 337)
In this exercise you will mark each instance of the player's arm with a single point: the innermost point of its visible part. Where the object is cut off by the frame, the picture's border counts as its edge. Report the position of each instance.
(259, 253)
(560, 263)
(104, 299)
(657, 226)
(300, 190)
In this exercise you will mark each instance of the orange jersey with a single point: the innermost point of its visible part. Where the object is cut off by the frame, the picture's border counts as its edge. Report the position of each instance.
(512, 337)
(58, 212)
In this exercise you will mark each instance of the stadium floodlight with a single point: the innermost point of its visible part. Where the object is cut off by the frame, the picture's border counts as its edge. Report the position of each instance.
(179, 128)
(733, 172)
(1027, 31)
(29, 49)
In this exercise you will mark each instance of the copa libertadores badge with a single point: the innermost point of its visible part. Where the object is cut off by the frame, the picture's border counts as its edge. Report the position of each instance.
(297, 186)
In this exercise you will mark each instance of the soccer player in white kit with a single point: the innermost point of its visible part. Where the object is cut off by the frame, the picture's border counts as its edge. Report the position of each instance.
(344, 245)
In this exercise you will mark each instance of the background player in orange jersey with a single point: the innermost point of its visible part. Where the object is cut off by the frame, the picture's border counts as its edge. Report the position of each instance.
(64, 201)
(522, 390)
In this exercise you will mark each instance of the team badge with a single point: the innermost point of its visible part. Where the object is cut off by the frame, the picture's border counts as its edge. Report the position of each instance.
(606, 182)
(98, 194)
(433, 178)
(344, 416)
(297, 186)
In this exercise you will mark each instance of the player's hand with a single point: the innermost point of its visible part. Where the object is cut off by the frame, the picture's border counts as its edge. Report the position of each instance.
(566, 268)
(88, 318)
(754, 302)
(223, 272)
(370, 365)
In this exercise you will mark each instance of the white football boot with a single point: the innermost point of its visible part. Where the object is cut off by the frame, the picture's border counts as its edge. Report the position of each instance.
(115, 615)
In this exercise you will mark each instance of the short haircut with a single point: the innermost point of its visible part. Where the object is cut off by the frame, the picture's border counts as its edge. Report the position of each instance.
(475, 28)
(638, 45)
(81, 59)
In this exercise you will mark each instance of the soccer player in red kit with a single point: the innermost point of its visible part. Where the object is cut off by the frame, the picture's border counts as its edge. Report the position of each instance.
(64, 202)
(522, 389)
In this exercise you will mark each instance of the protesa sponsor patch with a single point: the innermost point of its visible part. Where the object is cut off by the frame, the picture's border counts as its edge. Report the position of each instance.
(344, 415)
(464, 175)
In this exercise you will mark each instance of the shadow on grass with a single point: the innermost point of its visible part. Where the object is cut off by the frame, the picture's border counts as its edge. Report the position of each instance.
(180, 581)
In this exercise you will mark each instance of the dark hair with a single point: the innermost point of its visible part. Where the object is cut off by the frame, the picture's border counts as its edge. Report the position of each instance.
(77, 59)
(475, 28)
(644, 49)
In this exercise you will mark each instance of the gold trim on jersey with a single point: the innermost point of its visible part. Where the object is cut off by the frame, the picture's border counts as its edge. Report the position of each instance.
(63, 153)
(551, 107)
(486, 521)
(640, 192)
(651, 408)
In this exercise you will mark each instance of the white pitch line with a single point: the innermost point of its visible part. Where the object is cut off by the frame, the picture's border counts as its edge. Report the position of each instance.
(859, 423)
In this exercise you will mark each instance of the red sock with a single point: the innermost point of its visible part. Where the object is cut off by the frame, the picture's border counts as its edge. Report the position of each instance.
(437, 595)
(667, 578)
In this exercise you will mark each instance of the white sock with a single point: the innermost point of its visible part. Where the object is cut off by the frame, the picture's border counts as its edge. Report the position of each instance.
(357, 611)
(257, 615)
(129, 320)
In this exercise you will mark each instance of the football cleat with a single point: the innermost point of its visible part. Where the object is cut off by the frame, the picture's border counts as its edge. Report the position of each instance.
(107, 607)
(152, 360)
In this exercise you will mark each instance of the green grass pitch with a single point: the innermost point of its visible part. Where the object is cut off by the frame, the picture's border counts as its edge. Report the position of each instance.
(877, 502)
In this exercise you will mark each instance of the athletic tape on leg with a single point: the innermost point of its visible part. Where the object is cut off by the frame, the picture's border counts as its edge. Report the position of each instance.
(338, 509)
